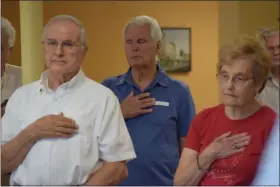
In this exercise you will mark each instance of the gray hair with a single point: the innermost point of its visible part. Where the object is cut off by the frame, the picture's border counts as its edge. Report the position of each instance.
(10, 31)
(155, 30)
(265, 33)
(68, 18)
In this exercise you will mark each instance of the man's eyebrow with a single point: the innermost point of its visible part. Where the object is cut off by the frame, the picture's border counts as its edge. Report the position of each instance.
(68, 40)
(50, 39)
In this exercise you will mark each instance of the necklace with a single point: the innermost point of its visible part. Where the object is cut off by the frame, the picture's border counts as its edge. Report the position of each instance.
(228, 167)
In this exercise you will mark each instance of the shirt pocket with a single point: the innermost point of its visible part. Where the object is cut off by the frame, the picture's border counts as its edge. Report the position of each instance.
(86, 130)
(83, 117)
(86, 133)
(162, 115)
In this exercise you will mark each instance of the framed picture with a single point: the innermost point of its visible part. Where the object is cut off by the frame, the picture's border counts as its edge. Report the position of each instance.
(175, 51)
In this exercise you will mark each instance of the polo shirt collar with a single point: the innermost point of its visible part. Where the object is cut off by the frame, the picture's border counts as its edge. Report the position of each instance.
(161, 78)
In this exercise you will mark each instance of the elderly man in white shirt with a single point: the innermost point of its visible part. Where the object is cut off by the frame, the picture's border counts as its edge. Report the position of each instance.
(10, 74)
(270, 93)
(68, 129)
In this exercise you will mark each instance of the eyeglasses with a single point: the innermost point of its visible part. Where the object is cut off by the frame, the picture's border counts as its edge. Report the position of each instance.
(238, 80)
(66, 45)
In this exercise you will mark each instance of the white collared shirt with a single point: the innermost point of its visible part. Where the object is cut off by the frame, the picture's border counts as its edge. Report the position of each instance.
(58, 161)
(270, 94)
(11, 81)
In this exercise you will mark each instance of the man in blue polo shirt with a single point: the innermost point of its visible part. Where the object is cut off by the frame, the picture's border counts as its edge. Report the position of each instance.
(158, 109)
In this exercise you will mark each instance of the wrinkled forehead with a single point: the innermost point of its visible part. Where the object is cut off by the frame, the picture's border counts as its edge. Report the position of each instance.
(240, 66)
(63, 30)
(137, 31)
(273, 39)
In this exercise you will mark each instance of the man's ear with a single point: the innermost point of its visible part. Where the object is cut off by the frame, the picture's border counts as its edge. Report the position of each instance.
(158, 46)
(11, 49)
(85, 50)
(9, 52)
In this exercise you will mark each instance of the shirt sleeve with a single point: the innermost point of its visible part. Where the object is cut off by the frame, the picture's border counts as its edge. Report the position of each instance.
(193, 138)
(186, 111)
(114, 140)
(10, 123)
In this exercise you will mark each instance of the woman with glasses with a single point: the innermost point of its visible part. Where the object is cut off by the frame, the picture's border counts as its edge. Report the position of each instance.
(225, 142)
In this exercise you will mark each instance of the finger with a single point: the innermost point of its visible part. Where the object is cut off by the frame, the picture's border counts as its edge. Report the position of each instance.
(241, 140)
(223, 136)
(147, 100)
(243, 144)
(67, 124)
(64, 130)
(235, 151)
(58, 134)
(145, 111)
(237, 136)
(63, 119)
(51, 116)
(146, 105)
(143, 95)
(130, 94)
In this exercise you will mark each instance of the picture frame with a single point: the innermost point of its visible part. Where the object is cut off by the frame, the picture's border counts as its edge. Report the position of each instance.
(175, 51)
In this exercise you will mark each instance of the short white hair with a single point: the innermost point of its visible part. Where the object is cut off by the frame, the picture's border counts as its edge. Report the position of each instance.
(265, 33)
(68, 18)
(10, 31)
(155, 30)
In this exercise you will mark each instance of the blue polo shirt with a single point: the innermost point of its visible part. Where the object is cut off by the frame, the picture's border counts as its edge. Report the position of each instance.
(156, 135)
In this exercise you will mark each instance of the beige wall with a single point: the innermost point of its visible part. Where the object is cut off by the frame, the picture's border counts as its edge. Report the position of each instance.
(213, 23)
(245, 17)
(229, 21)
(257, 14)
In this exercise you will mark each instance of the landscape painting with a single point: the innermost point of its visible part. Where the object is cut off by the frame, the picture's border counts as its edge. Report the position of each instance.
(175, 52)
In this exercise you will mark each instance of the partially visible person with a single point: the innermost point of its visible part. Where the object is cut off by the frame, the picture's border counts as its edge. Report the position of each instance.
(225, 142)
(10, 74)
(12, 80)
(4, 57)
(268, 172)
(270, 93)
(64, 129)
(157, 109)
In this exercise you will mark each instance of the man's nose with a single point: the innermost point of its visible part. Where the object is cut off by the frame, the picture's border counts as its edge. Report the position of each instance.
(276, 51)
(135, 47)
(59, 50)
